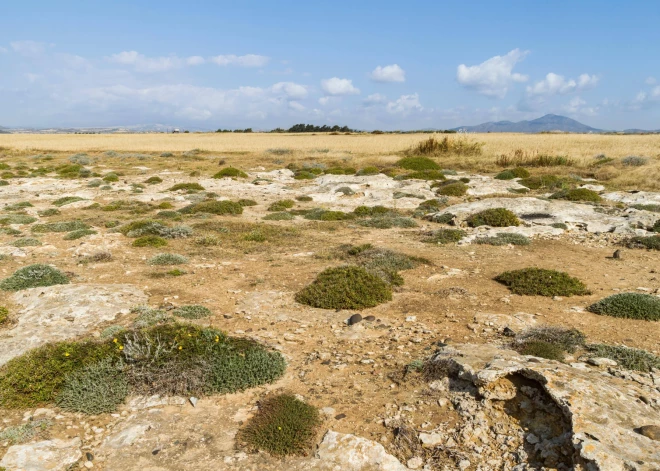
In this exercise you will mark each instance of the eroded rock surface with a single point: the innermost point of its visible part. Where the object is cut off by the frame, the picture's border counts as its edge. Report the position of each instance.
(47, 455)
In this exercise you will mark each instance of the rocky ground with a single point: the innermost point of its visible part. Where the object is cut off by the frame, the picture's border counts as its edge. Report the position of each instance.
(488, 408)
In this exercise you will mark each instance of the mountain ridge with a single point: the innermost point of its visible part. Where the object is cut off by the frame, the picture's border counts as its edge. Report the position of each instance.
(546, 123)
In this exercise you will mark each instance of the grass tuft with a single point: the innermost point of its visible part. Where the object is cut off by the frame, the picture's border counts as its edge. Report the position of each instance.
(193, 311)
(503, 239)
(444, 236)
(78, 234)
(218, 207)
(418, 163)
(187, 187)
(577, 194)
(149, 241)
(167, 259)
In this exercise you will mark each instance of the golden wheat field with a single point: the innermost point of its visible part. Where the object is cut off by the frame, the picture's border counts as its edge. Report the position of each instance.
(362, 149)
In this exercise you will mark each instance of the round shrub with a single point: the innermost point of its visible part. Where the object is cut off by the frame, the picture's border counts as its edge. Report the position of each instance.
(545, 181)
(568, 340)
(505, 175)
(577, 194)
(111, 177)
(510, 174)
(66, 200)
(453, 189)
(496, 217)
(167, 259)
(304, 198)
(629, 306)
(153, 180)
(539, 348)
(74, 235)
(34, 276)
(651, 242)
(346, 287)
(628, 358)
(444, 236)
(230, 172)
(280, 216)
(283, 426)
(304, 175)
(366, 171)
(26, 242)
(218, 207)
(192, 311)
(541, 282)
(418, 163)
(281, 205)
(247, 202)
(95, 389)
(149, 241)
(503, 239)
(187, 187)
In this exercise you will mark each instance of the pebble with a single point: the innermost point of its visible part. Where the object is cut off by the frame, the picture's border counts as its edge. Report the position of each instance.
(370, 318)
(650, 431)
(415, 463)
(602, 362)
(354, 319)
(88, 464)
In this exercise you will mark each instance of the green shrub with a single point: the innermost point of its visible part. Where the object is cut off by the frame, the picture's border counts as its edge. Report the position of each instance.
(431, 206)
(153, 180)
(549, 182)
(650, 242)
(629, 306)
(165, 205)
(503, 239)
(167, 259)
(340, 171)
(505, 175)
(230, 172)
(387, 222)
(539, 348)
(26, 242)
(34, 276)
(628, 358)
(568, 340)
(133, 206)
(246, 202)
(281, 216)
(172, 215)
(453, 189)
(4, 315)
(150, 227)
(283, 426)
(365, 211)
(49, 212)
(495, 217)
(218, 207)
(4, 183)
(422, 175)
(345, 190)
(149, 241)
(74, 235)
(255, 236)
(148, 317)
(111, 177)
(418, 164)
(18, 206)
(94, 389)
(304, 198)
(444, 236)
(325, 215)
(304, 175)
(654, 208)
(656, 226)
(67, 200)
(541, 282)
(16, 219)
(281, 205)
(577, 194)
(383, 263)
(187, 187)
(559, 225)
(24, 432)
(346, 287)
(193, 311)
(64, 226)
(71, 171)
(366, 171)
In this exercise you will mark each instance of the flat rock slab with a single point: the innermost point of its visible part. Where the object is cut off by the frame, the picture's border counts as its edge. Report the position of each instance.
(61, 312)
(48, 455)
(346, 452)
(604, 410)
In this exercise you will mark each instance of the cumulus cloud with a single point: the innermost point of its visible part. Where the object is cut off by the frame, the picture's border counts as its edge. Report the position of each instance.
(389, 73)
(248, 60)
(28, 48)
(645, 99)
(337, 87)
(577, 106)
(493, 77)
(295, 106)
(375, 99)
(554, 84)
(290, 90)
(405, 104)
(195, 60)
(324, 100)
(143, 63)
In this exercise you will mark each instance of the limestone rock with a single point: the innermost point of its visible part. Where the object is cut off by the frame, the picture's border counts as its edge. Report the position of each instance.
(350, 453)
(47, 455)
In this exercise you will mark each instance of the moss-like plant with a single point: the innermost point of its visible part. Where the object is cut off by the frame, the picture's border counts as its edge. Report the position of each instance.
(387, 222)
(383, 263)
(34, 276)
(281, 216)
(346, 287)
(110, 177)
(18, 206)
(26, 242)
(218, 207)
(510, 174)
(304, 175)
(16, 219)
(629, 306)
(283, 426)
(246, 202)
(67, 200)
(568, 340)
(167, 259)
(153, 180)
(444, 236)
(149, 241)
(542, 282)
(193, 311)
(418, 163)
(230, 172)
(48, 212)
(340, 171)
(325, 215)
(549, 182)
(453, 189)
(503, 239)
(187, 187)
(74, 235)
(64, 226)
(366, 171)
(577, 194)
(281, 205)
(628, 358)
(495, 217)
(542, 349)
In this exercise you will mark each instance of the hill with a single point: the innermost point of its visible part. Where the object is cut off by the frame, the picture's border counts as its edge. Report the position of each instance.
(549, 122)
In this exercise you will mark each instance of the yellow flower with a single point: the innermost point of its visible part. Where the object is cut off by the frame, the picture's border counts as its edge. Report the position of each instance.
(217, 339)
(189, 335)
(121, 347)
(115, 340)
(180, 347)
(66, 354)
(279, 428)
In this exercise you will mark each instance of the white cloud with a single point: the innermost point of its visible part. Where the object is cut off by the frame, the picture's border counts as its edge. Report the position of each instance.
(290, 90)
(389, 73)
(295, 106)
(554, 84)
(650, 81)
(248, 60)
(405, 104)
(324, 100)
(494, 76)
(28, 48)
(375, 99)
(337, 87)
(195, 60)
(577, 106)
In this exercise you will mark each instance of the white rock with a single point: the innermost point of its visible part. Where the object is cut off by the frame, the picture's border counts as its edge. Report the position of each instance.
(351, 453)
(602, 362)
(431, 439)
(415, 463)
(48, 455)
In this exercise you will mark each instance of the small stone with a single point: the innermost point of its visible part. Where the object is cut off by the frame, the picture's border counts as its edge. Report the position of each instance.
(340, 416)
(616, 254)
(532, 439)
(431, 439)
(601, 362)
(415, 463)
(193, 400)
(463, 464)
(89, 456)
(88, 464)
(370, 318)
(354, 319)
(509, 332)
(650, 431)
(329, 411)
(411, 318)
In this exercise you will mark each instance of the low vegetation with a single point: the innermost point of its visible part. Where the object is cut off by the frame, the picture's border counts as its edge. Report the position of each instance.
(542, 282)
(495, 217)
(628, 358)
(186, 187)
(444, 236)
(167, 259)
(577, 194)
(78, 234)
(452, 189)
(503, 239)
(192, 311)
(418, 163)
(629, 306)
(67, 200)
(510, 174)
(641, 242)
(34, 276)
(230, 172)
(149, 241)
(220, 208)
(63, 226)
(539, 348)
(436, 146)
(26, 242)
(281, 205)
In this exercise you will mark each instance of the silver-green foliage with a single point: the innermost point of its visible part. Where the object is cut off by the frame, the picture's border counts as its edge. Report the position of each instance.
(168, 259)
(24, 432)
(193, 311)
(34, 276)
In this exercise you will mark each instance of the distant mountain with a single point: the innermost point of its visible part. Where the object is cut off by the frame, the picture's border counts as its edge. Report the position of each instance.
(549, 122)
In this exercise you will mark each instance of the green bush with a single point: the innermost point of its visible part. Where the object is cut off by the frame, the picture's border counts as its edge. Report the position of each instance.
(510, 174)
(18, 206)
(153, 180)
(387, 222)
(365, 211)
(94, 389)
(48, 212)
(319, 214)
(186, 187)
(283, 426)
(149, 241)
(304, 198)
(304, 175)
(281, 205)
(628, 358)
(110, 177)
(150, 227)
(71, 171)
(383, 263)
(431, 206)
(418, 164)
(167, 259)
(4, 315)
(444, 236)
(247, 202)
(539, 348)
(255, 236)
(549, 182)
(281, 216)
(26, 242)
(230, 172)
(16, 219)
(75, 235)
(366, 171)
(495, 217)
(650, 242)
(541, 282)
(503, 239)
(67, 200)
(346, 287)
(654, 208)
(340, 171)
(34, 276)
(568, 340)
(133, 206)
(453, 189)
(172, 215)
(629, 306)
(193, 311)
(148, 317)
(577, 194)
(218, 207)
(64, 226)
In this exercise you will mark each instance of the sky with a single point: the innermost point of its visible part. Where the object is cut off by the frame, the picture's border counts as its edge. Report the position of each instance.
(364, 64)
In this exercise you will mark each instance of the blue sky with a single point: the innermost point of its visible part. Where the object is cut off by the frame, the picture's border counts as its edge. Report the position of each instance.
(365, 64)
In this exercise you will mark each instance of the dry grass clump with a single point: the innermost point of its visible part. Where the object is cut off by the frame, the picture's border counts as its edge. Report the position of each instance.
(435, 145)
(444, 236)
(167, 259)
(503, 239)
(521, 158)
(192, 311)
(577, 194)
(542, 282)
